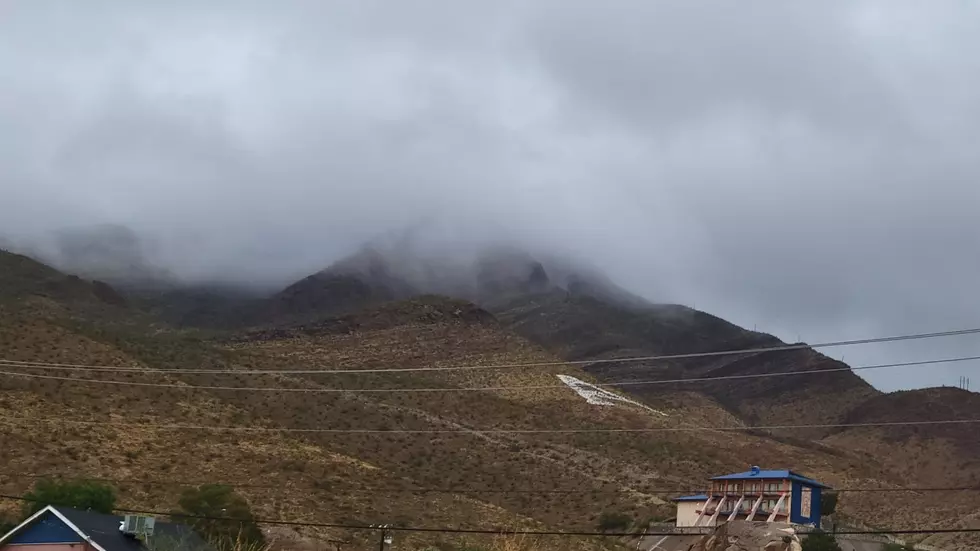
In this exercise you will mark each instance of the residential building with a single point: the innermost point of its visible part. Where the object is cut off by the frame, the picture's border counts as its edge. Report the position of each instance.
(66, 529)
(757, 494)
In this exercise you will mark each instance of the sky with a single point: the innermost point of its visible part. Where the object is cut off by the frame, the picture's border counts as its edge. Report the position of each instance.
(807, 169)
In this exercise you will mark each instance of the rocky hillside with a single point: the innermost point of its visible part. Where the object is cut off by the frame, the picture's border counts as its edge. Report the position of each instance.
(27, 282)
(460, 475)
(580, 315)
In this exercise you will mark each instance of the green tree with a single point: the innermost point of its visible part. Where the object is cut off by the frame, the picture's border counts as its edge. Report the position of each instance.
(820, 541)
(611, 521)
(79, 494)
(230, 523)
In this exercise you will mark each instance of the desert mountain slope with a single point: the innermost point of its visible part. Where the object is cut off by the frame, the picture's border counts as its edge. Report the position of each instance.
(948, 453)
(26, 282)
(433, 464)
(581, 315)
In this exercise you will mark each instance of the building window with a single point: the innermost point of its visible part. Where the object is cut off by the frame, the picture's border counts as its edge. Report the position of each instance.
(770, 506)
(806, 501)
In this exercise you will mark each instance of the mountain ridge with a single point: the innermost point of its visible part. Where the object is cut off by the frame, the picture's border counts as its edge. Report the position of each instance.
(584, 317)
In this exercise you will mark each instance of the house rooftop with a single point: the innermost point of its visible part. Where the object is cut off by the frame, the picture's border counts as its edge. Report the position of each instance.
(699, 497)
(102, 530)
(758, 474)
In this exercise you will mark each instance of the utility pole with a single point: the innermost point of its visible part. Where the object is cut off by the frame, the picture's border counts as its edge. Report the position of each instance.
(385, 535)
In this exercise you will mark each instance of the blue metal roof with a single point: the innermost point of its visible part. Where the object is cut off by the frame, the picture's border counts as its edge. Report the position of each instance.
(781, 474)
(699, 497)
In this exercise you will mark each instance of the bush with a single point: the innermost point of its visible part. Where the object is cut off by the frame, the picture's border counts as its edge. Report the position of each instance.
(820, 541)
(78, 494)
(614, 522)
(231, 524)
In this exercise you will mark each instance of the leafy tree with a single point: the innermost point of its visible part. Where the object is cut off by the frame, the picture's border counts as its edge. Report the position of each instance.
(79, 494)
(611, 521)
(820, 541)
(828, 503)
(219, 502)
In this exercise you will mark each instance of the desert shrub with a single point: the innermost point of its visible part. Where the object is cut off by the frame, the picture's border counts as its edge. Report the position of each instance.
(820, 541)
(613, 521)
(227, 518)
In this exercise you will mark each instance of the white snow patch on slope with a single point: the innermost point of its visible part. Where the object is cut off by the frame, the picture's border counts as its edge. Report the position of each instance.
(599, 397)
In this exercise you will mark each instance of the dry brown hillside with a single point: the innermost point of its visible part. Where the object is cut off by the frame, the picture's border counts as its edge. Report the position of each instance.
(468, 474)
(578, 314)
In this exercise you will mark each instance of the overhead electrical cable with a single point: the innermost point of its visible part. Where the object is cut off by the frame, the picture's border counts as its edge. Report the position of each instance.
(317, 390)
(218, 428)
(691, 355)
(393, 490)
(488, 531)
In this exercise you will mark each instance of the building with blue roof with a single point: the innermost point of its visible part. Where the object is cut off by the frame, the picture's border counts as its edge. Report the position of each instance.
(756, 494)
(57, 528)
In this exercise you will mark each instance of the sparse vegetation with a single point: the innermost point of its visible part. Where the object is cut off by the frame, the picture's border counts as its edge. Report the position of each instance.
(560, 481)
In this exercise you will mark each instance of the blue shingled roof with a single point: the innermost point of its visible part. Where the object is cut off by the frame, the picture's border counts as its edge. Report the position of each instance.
(101, 530)
(781, 474)
(699, 497)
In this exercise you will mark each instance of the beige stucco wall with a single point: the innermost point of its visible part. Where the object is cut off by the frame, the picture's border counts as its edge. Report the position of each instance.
(687, 512)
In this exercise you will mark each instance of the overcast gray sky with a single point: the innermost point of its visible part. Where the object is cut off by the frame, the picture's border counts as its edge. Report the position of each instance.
(808, 168)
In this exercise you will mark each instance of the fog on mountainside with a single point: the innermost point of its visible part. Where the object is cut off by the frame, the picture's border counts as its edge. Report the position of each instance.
(486, 264)
(814, 178)
(383, 256)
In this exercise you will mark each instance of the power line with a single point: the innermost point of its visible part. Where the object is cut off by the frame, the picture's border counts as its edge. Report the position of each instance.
(790, 373)
(206, 517)
(492, 388)
(148, 482)
(491, 431)
(782, 348)
(831, 344)
(640, 490)
(486, 531)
